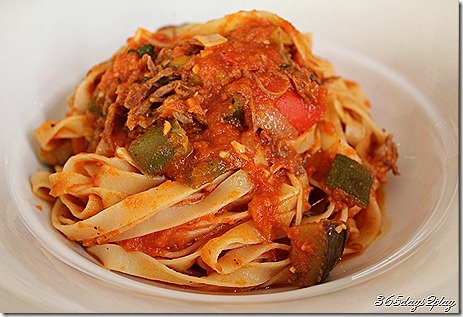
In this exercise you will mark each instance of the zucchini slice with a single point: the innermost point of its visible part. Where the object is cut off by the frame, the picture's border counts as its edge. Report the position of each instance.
(351, 177)
(315, 250)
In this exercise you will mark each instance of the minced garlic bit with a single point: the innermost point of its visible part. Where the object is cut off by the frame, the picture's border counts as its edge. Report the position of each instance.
(167, 127)
(240, 148)
(210, 39)
(340, 228)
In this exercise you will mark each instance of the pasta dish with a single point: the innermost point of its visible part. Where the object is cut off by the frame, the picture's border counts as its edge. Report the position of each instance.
(219, 156)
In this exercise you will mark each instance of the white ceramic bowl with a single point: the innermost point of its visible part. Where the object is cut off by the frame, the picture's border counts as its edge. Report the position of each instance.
(409, 74)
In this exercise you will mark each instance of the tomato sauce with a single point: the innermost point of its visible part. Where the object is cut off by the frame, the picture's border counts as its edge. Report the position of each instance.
(175, 239)
(234, 80)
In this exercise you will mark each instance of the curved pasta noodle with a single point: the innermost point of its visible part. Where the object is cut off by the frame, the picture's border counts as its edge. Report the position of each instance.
(80, 99)
(139, 264)
(128, 212)
(237, 258)
(89, 183)
(348, 97)
(72, 127)
(369, 230)
(244, 234)
(41, 185)
(231, 189)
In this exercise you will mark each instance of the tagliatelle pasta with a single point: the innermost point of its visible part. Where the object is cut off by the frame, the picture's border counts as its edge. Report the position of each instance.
(220, 156)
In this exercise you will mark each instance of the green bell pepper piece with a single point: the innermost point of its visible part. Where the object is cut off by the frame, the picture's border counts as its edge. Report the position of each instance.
(157, 147)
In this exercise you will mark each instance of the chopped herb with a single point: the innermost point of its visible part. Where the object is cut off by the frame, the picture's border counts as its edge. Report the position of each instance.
(156, 105)
(96, 111)
(236, 117)
(93, 108)
(288, 67)
(144, 80)
(351, 177)
(312, 77)
(163, 81)
(145, 49)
